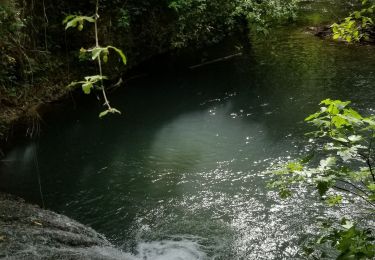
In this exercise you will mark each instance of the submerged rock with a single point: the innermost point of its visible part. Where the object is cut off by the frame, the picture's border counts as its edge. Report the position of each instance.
(29, 232)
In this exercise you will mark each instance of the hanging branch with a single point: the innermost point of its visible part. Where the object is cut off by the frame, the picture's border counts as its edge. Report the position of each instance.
(97, 53)
(106, 102)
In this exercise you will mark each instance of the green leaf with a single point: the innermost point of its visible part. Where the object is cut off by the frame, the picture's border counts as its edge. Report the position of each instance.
(327, 163)
(348, 224)
(74, 20)
(357, 14)
(334, 200)
(333, 109)
(347, 154)
(294, 166)
(339, 121)
(88, 84)
(95, 78)
(327, 102)
(73, 84)
(88, 19)
(67, 18)
(110, 110)
(340, 139)
(352, 113)
(371, 187)
(86, 87)
(96, 52)
(313, 116)
(285, 193)
(72, 23)
(122, 55)
(369, 121)
(115, 111)
(323, 187)
(355, 138)
(351, 24)
(103, 114)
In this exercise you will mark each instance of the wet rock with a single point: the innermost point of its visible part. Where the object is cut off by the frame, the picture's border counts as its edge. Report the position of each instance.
(320, 31)
(29, 232)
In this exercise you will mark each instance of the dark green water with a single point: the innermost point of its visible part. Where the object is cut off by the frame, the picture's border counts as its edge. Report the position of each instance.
(183, 172)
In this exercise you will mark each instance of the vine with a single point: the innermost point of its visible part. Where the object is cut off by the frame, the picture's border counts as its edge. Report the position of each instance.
(98, 53)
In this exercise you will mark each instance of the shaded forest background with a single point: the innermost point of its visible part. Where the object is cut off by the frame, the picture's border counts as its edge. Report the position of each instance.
(39, 57)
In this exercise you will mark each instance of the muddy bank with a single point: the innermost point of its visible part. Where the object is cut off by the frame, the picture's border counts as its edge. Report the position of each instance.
(29, 232)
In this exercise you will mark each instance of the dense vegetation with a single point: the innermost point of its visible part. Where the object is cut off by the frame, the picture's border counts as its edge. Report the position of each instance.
(343, 166)
(358, 26)
(35, 46)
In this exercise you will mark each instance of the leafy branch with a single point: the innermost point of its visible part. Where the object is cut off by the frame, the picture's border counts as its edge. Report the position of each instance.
(98, 53)
(355, 26)
(103, 52)
(345, 167)
(88, 84)
(72, 21)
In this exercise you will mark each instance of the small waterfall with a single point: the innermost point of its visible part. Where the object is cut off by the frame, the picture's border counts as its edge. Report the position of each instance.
(170, 250)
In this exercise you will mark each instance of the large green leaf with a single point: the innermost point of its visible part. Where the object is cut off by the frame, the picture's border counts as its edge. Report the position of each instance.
(74, 20)
(122, 55)
(328, 162)
(88, 84)
(86, 87)
(110, 110)
(95, 52)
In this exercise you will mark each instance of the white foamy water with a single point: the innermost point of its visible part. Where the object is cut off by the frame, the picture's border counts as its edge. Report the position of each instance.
(170, 250)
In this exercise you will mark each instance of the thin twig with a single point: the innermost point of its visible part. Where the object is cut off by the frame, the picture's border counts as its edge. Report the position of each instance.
(356, 194)
(45, 26)
(106, 102)
(354, 186)
(369, 156)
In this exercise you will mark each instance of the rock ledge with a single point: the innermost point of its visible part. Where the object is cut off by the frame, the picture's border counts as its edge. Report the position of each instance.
(29, 232)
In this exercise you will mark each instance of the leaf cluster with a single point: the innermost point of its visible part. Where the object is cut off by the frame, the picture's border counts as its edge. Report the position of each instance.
(103, 52)
(348, 155)
(351, 241)
(11, 25)
(345, 167)
(208, 21)
(73, 21)
(89, 83)
(354, 27)
(98, 53)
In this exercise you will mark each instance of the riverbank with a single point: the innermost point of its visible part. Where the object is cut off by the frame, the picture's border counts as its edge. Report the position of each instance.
(21, 117)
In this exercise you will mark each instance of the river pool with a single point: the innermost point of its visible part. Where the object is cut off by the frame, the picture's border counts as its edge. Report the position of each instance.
(183, 172)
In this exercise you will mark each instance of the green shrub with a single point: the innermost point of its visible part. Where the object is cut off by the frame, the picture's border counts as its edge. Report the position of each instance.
(355, 27)
(346, 167)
